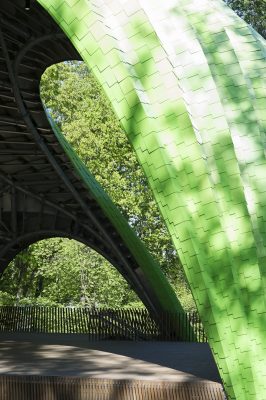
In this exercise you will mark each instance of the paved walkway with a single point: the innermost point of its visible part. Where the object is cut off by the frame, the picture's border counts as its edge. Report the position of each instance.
(74, 355)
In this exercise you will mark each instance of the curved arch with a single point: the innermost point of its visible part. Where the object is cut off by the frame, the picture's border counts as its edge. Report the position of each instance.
(186, 80)
(22, 242)
(40, 191)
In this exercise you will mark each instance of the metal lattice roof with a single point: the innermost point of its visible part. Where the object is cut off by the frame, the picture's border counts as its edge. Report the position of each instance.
(41, 194)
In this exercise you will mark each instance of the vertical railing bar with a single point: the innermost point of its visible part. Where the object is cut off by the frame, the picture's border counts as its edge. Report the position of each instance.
(133, 324)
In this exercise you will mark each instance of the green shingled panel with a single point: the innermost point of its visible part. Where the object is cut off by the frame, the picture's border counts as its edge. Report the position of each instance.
(187, 81)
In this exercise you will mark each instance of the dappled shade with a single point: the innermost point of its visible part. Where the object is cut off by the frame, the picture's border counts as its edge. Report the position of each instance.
(186, 81)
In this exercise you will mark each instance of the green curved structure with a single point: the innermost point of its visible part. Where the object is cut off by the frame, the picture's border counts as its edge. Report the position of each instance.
(45, 190)
(187, 81)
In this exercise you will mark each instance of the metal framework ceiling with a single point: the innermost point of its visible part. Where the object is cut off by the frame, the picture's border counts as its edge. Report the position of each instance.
(41, 196)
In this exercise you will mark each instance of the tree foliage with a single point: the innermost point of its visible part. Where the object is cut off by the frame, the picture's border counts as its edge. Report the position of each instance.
(252, 11)
(64, 272)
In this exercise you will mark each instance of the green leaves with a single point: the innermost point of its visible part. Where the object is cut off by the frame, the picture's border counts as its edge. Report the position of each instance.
(252, 11)
(64, 272)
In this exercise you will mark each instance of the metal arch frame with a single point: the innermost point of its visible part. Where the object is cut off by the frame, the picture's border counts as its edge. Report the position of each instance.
(49, 203)
(111, 243)
(26, 116)
(19, 242)
(57, 208)
(77, 224)
(27, 239)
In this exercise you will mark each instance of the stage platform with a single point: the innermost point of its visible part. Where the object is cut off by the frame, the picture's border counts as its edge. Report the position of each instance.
(69, 367)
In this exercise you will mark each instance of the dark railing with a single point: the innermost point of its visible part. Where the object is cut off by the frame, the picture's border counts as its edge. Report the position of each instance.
(99, 324)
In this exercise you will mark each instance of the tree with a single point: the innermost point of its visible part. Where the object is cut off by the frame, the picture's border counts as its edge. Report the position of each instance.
(252, 11)
(64, 272)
